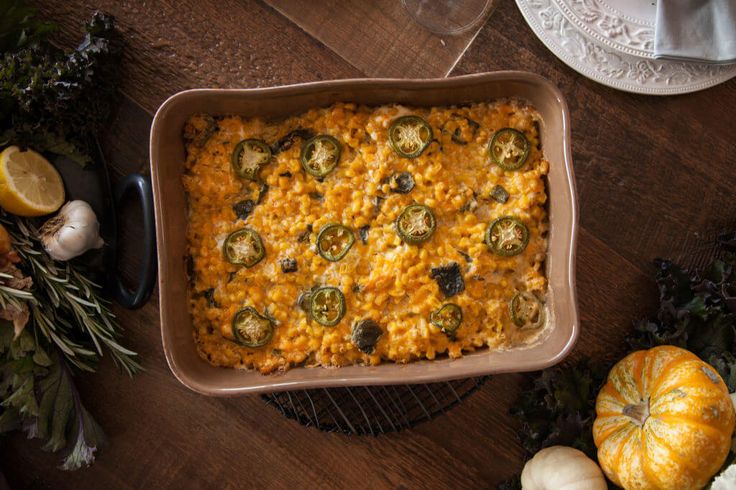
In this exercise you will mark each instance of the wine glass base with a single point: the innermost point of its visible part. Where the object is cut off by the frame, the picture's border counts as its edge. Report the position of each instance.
(448, 17)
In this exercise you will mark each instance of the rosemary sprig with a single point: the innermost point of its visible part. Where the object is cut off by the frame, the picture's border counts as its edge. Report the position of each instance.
(70, 326)
(67, 305)
(12, 297)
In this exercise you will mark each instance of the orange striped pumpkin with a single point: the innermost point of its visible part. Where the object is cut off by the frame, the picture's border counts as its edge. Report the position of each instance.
(664, 420)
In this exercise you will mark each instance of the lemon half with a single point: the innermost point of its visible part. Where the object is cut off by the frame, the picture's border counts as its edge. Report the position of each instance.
(29, 184)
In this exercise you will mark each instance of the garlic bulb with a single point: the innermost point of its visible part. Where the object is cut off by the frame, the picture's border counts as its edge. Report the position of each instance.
(71, 232)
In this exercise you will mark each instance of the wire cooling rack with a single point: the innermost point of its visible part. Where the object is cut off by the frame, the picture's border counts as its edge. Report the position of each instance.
(372, 410)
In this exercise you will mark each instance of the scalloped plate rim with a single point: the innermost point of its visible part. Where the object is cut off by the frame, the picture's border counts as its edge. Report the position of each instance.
(596, 35)
(590, 72)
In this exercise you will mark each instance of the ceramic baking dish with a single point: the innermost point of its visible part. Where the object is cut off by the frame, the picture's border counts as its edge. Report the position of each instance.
(167, 157)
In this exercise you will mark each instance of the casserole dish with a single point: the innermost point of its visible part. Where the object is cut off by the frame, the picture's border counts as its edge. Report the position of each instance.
(167, 158)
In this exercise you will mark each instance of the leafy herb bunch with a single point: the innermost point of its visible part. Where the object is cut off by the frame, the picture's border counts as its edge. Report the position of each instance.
(54, 322)
(69, 328)
(697, 311)
(51, 100)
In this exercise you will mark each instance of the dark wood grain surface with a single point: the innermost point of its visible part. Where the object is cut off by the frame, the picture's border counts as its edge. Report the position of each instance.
(398, 47)
(656, 177)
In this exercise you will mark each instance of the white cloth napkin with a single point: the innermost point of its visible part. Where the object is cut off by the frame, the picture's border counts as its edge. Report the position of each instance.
(696, 30)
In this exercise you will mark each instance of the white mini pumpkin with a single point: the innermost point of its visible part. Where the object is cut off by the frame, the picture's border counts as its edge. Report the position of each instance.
(562, 468)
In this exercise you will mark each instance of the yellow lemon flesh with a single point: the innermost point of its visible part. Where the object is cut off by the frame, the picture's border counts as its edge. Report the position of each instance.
(29, 184)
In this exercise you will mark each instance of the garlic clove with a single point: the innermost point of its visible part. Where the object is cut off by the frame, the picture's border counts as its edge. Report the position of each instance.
(72, 232)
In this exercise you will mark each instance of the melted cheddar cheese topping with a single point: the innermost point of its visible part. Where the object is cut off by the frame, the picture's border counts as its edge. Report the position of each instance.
(381, 277)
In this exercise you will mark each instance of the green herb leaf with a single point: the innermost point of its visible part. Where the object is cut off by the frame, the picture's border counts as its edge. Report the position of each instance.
(56, 408)
(712, 337)
(725, 364)
(89, 438)
(41, 358)
(695, 314)
(559, 408)
(22, 396)
(55, 101)
(19, 27)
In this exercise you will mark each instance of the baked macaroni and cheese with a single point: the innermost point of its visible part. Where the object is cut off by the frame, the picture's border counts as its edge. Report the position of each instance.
(354, 234)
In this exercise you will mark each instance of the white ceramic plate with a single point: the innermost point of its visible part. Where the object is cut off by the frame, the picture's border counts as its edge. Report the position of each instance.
(624, 25)
(612, 42)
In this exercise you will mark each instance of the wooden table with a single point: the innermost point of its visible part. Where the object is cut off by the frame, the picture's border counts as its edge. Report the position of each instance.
(655, 176)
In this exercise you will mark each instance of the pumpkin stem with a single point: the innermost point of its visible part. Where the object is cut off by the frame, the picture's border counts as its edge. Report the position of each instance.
(639, 412)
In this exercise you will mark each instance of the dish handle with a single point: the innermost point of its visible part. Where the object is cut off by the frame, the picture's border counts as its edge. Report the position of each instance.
(135, 298)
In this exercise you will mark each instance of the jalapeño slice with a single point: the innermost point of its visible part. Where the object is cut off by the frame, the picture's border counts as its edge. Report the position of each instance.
(409, 136)
(334, 241)
(526, 310)
(251, 329)
(249, 157)
(507, 236)
(327, 306)
(448, 319)
(244, 247)
(509, 148)
(415, 224)
(320, 155)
